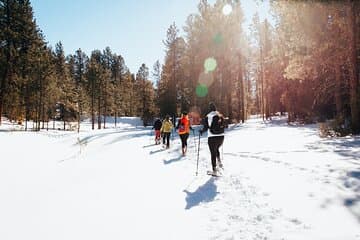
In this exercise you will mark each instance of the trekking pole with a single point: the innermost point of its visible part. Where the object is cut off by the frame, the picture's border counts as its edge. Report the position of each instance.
(194, 139)
(197, 161)
(150, 136)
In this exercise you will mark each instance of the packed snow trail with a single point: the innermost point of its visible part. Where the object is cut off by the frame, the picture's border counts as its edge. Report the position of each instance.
(280, 182)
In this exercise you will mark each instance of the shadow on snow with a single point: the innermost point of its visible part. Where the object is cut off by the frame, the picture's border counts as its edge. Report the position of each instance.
(205, 193)
(352, 181)
(176, 159)
(140, 132)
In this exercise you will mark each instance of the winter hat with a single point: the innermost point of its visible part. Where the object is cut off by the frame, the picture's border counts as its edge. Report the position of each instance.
(212, 106)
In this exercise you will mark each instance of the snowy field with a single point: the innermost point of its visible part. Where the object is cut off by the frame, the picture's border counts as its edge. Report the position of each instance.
(280, 183)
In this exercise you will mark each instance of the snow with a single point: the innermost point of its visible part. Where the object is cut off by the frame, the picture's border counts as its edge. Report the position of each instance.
(280, 182)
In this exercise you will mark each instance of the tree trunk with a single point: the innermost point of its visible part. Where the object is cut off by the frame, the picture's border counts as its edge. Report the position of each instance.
(99, 113)
(27, 107)
(6, 76)
(8, 70)
(92, 107)
(354, 81)
(241, 96)
(1, 105)
(105, 102)
(242, 92)
(115, 118)
(262, 98)
(338, 102)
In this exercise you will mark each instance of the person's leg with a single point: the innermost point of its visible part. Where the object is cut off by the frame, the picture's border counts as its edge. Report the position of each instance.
(182, 138)
(186, 138)
(157, 136)
(185, 141)
(219, 141)
(212, 148)
(167, 140)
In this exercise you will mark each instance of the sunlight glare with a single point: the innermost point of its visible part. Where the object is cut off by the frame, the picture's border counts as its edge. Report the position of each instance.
(218, 38)
(227, 9)
(206, 78)
(210, 64)
(263, 10)
(201, 90)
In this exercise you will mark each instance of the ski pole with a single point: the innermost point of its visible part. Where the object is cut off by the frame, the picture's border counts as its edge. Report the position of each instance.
(197, 161)
(193, 131)
(150, 136)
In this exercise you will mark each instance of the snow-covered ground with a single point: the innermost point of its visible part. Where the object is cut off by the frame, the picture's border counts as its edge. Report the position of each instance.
(280, 183)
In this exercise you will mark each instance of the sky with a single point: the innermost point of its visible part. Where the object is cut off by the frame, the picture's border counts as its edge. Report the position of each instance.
(133, 29)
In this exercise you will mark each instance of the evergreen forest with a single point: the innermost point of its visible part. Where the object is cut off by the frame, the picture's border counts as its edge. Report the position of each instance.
(304, 62)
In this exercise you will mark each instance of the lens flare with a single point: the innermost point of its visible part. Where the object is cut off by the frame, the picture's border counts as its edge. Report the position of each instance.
(218, 38)
(227, 9)
(206, 78)
(210, 64)
(201, 90)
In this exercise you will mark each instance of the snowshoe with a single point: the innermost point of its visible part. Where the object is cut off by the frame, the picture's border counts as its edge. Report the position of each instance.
(214, 173)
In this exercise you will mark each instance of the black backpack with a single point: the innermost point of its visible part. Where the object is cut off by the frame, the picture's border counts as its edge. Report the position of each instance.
(217, 124)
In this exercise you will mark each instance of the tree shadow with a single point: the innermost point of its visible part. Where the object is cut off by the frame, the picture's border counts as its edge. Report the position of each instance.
(352, 181)
(12, 130)
(127, 136)
(134, 132)
(205, 193)
(345, 147)
(348, 149)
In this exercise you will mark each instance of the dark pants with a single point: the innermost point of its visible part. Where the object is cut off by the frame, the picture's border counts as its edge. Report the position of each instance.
(214, 145)
(184, 138)
(167, 137)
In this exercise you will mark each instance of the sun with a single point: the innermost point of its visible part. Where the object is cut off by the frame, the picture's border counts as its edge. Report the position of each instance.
(227, 9)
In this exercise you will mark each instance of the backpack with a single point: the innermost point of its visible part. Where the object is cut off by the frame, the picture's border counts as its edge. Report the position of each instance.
(182, 126)
(217, 124)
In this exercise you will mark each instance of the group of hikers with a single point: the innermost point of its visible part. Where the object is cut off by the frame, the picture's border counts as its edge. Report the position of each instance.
(213, 124)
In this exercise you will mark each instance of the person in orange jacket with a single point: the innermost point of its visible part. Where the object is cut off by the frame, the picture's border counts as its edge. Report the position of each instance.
(183, 128)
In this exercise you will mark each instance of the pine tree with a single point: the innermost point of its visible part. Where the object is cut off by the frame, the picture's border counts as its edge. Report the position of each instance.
(146, 95)
(170, 72)
(18, 36)
(118, 76)
(66, 88)
(156, 73)
(79, 70)
(93, 76)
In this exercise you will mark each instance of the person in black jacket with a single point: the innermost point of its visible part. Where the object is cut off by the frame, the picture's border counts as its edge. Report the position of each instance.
(157, 127)
(215, 139)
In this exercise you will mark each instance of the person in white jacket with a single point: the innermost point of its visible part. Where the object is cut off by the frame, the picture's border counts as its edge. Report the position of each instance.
(215, 135)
